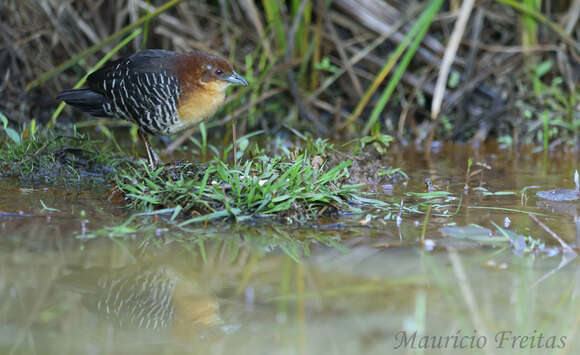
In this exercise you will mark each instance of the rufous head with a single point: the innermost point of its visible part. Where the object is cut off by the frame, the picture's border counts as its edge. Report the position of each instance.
(211, 70)
(221, 70)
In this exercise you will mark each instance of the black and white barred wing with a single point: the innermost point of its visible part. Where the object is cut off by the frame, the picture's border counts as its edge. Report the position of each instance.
(142, 88)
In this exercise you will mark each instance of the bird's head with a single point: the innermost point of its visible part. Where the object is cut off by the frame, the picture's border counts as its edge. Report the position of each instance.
(220, 70)
(211, 72)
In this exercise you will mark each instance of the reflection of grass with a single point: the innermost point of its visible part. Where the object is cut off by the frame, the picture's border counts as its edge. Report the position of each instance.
(533, 309)
(205, 241)
(383, 291)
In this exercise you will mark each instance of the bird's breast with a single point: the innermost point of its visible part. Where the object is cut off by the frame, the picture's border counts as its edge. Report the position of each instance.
(197, 106)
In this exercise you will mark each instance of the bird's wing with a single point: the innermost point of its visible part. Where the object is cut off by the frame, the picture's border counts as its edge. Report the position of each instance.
(143, 88)
(150, 61)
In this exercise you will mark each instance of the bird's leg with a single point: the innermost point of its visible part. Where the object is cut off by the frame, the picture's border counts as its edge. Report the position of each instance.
(152, 157)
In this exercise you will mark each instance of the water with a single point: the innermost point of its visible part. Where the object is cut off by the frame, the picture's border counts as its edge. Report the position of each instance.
(66, 287)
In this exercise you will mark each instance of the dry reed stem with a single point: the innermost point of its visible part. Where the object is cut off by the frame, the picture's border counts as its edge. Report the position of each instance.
(449, 55)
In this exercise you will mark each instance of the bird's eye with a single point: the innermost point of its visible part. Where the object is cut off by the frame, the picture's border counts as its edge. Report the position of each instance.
(218, 72)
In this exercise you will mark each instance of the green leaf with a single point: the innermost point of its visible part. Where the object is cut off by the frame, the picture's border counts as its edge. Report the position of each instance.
(543, 68)
(4, 120)
(46, 208)
(12, 134)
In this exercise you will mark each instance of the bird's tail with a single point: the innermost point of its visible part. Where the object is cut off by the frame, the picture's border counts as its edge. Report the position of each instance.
(85, 100)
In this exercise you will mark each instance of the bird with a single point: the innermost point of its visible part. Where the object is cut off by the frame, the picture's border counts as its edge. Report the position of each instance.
(161, 91)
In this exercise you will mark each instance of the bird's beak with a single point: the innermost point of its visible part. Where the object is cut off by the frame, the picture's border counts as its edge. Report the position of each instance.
(236, 78)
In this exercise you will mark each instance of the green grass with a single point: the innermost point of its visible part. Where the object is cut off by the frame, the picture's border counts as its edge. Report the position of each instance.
(549, 109)
(295, 186)
(408, 46)
(274, 18)
(528, 23)
(266, 102)
(535, 17)
(293, 189)
(54, 156)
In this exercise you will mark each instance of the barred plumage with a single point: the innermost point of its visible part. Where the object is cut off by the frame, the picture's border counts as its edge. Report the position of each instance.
(153, 297)
(142, 300)
(161, 91)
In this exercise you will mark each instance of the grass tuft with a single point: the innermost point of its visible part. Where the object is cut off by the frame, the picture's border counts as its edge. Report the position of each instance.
(49, 156)
(295, 189)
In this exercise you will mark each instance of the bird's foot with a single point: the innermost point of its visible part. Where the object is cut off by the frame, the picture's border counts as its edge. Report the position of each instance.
(153, 159)
(152, 156)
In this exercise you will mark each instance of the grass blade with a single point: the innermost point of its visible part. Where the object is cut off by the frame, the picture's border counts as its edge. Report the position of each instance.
(74, 60)
(423, 25)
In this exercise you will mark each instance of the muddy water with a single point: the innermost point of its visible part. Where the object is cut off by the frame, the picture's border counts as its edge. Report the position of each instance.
(69, 286)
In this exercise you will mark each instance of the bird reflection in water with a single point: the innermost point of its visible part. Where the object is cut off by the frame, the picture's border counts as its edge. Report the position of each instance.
(148, 297)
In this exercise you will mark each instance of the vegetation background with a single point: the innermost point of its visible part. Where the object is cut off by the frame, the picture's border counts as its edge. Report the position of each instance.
(363, 71)
(417, 70)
